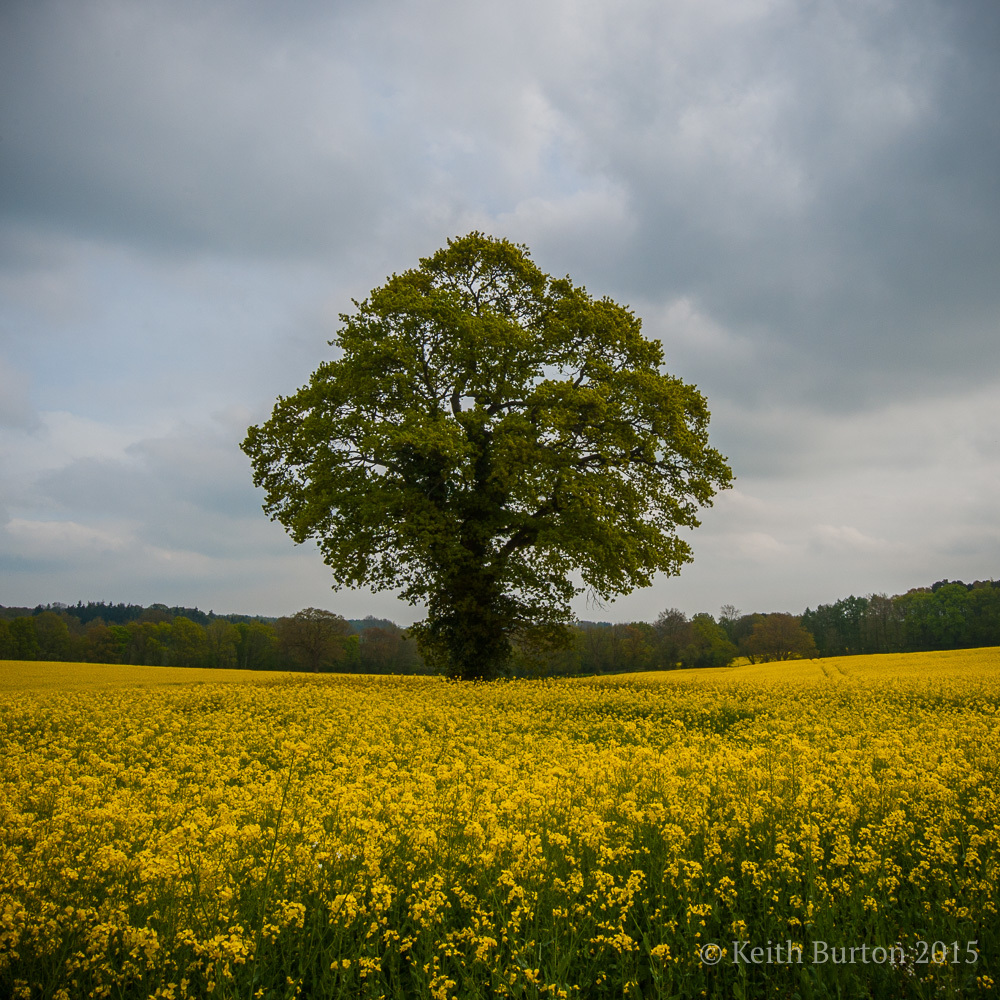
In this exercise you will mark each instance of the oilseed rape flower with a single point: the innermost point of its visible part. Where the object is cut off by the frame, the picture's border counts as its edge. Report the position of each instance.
(182, 833)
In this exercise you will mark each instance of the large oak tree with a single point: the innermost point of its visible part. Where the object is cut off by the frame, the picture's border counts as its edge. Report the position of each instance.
(489, 439)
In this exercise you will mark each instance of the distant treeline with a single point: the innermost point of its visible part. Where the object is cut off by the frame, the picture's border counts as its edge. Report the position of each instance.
(947, 615)
(186, 637)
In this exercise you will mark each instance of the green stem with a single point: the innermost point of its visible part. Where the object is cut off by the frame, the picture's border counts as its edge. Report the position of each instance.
(267, 876)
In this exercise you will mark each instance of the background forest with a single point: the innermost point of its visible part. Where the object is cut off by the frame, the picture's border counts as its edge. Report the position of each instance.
(947, 615)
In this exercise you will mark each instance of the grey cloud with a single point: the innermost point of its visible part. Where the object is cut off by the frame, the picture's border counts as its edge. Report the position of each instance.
(189, 490)
(893, 439)
(184, 126)
(820, 173)
(799, 198)
(825, 180)
(16, 409)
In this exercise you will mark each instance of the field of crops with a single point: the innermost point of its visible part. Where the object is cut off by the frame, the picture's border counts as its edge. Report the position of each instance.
(726, 833)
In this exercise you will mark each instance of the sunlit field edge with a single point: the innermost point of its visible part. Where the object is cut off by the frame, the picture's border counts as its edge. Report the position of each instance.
(183, 833)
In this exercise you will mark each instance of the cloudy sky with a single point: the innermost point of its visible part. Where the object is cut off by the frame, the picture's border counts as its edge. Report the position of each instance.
(799, 197)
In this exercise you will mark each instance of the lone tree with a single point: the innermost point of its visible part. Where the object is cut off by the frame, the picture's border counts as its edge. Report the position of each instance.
(486, 432)
(778, 636)
(313, 637)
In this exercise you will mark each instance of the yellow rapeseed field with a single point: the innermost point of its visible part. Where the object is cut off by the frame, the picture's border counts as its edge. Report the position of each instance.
(725, 833)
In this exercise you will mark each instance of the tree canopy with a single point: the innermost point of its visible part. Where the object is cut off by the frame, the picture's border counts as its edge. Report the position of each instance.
(316, 638)
(488, 439)
(777, 636)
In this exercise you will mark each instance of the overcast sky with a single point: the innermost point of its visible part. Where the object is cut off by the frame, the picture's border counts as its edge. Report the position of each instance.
(799, 197)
